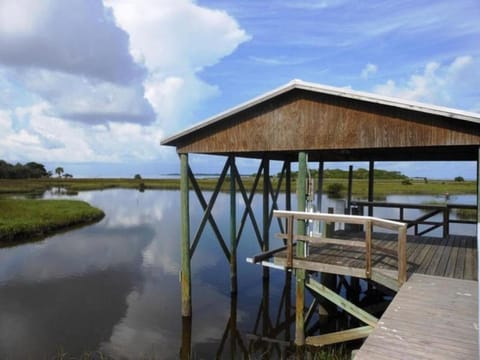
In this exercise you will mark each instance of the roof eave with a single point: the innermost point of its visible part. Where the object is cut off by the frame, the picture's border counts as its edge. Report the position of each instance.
(329, 90)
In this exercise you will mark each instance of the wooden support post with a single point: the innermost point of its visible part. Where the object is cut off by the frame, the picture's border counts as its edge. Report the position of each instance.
(266, 212)
(288, 186)
(320, 186)
(371, 178)
(446, 222)
(478, 236)
(368, 249)
(300, 251)
(289, 226)
(402, 255)
(329, 227)
(266, 203)
(185, 275)
(233, 227)
(349, 195)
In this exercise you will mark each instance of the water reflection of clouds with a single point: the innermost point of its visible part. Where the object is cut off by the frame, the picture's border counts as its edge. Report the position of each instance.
(72, 254)
(152, 324)
(126, 208)
(132, 259)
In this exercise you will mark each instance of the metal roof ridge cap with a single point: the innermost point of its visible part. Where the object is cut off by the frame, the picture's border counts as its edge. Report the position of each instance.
(390, 100)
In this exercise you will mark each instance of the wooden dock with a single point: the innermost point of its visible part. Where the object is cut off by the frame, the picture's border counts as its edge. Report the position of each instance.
(453, 257)
(436, 301)
(431, 317)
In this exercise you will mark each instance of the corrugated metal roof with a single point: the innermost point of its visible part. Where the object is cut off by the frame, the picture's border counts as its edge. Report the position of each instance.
(335, 91)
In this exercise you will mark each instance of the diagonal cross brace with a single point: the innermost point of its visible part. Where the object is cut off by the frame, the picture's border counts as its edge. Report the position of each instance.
(248, 206)
(346, 305)
(207, 208)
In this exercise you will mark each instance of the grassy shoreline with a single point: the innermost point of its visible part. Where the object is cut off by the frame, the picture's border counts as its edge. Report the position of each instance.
(382, 188)
(21, 219)
(34, 219)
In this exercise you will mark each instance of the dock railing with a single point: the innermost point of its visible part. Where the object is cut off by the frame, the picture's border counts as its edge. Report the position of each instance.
(426, 219)
(291, 237)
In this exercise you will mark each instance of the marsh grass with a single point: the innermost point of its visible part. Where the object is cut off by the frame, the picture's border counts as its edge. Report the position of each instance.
(466, 214)
(360, 187)
(26, 219)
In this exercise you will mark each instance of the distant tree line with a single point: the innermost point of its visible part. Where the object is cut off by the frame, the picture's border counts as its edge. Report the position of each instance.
(357, 174)
(30, 170)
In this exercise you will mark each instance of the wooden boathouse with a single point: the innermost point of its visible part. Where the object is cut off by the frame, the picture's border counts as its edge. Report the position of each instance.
(303, 123)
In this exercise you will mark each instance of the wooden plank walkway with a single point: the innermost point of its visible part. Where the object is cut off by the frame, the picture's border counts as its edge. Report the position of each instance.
(453, 257)
(431, 317)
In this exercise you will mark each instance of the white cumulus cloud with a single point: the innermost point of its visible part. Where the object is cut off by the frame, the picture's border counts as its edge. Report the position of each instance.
(104, 81)
(176, 40)
(442, 84)
(368, 70)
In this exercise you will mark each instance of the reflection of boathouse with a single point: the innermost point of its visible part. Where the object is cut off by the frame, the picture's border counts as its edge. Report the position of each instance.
(300, 123)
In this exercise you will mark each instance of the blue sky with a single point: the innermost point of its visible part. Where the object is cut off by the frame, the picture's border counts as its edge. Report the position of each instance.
(93, 85)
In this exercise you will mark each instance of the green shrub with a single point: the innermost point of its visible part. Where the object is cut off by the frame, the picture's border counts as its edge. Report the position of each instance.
(335, 190)
(466, 214)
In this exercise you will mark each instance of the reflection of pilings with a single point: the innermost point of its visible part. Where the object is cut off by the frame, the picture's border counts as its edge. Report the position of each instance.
(288, 303)
(266, 337)
(235, 337)
(186, 346)
(266, 325)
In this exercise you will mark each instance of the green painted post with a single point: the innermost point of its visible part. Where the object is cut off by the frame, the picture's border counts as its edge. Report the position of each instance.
(301, 191)
(233, 227)
(185, 275)
(300, 252)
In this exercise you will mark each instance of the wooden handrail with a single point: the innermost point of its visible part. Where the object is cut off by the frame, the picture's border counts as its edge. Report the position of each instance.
(367, 221)
(444, 209)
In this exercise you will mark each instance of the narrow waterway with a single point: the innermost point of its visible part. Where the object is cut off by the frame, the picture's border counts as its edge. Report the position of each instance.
(113, 286)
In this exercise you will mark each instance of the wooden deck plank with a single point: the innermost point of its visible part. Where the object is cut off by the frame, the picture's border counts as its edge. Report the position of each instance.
(454, 257)
(430, 318)
(460, 265)
(439, 260)
(423, 262)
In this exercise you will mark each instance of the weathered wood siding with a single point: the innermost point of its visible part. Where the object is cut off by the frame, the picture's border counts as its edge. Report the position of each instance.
(303, 121)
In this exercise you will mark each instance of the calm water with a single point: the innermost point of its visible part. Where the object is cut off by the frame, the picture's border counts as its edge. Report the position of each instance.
(113, 287)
